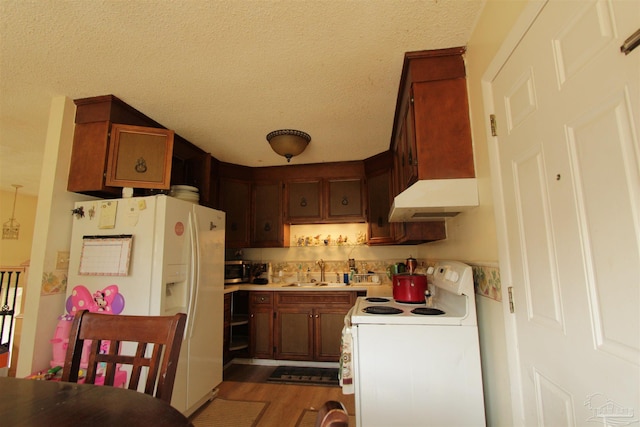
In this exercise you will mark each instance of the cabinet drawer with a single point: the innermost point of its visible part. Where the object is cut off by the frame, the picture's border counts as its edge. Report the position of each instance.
(261, 298)
(340, 297)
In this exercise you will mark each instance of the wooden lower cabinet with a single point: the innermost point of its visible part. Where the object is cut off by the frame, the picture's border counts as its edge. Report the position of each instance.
(292, 325)
(261, 325)
(308, 325)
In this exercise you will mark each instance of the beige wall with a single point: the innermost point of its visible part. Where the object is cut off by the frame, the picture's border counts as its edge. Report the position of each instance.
(17, 252)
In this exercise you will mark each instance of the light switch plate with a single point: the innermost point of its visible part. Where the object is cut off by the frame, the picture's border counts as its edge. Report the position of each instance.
(62, 261)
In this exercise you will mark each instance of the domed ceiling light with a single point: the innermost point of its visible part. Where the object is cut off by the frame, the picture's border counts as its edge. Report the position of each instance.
(288, 142)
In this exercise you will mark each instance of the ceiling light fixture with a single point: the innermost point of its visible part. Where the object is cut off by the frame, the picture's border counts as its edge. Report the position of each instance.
(11, 228)
(288, 142)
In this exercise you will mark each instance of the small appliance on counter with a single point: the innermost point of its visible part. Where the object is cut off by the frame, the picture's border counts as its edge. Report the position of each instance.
(259, 274)
(237, 271)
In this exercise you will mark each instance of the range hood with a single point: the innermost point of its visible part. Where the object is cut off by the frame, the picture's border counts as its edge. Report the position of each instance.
(434, 199)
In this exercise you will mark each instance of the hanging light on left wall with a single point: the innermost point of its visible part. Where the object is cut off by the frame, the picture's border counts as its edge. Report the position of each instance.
(11, 228)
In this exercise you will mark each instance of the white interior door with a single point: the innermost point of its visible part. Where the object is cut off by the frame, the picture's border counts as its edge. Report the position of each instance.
(567, 108)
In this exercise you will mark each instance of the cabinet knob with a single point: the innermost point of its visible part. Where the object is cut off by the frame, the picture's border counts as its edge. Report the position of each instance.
(317, 315)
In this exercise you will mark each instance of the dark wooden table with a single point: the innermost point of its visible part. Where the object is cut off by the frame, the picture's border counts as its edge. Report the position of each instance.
(52, 403)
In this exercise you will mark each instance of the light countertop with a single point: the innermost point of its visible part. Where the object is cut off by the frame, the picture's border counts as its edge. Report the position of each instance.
(371, 290)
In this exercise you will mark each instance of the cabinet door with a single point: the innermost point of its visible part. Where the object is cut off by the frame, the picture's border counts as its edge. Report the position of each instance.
(267, 227)
(200, 172)
(261, 325)
(442, 129)
(139, 157)
(294, 333)
(411, 151)
(235, 200)
(304, 202)
(345, 200)
(328, 323)
(379, 202)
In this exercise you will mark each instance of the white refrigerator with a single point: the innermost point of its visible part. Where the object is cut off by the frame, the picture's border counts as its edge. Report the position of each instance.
(156, 255)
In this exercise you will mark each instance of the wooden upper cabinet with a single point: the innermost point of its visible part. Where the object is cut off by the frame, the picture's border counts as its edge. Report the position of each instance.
(139, 157)
(333, 200)
(235, 201)
(432, 132)
(345, 200)
(268, 229)
(442, 129)
(323, 193)
(379, 189)
(304, 201)
(115, 145)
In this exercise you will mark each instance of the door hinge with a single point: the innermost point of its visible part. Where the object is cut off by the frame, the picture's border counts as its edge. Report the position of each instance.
(511, 306)
(494, 126)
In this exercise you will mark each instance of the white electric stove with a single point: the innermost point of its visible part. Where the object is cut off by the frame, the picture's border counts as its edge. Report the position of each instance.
(417, 364)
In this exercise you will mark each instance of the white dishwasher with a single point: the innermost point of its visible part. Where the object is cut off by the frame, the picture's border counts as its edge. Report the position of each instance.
(416, 364)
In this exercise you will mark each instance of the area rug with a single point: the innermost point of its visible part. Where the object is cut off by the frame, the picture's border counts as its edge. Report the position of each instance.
(303, 375)
(308, 418)
(230, 413)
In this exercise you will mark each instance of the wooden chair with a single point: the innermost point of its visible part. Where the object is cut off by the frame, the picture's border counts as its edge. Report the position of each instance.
(332, 414)
(160, 332)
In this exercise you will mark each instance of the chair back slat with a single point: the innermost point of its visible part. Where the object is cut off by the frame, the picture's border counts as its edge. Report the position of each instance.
(159, 335)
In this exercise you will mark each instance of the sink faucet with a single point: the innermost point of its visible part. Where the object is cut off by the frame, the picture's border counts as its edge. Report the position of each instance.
(321, 265)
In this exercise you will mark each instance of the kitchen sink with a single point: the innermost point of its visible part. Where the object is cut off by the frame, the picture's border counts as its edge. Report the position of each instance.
(313, 284)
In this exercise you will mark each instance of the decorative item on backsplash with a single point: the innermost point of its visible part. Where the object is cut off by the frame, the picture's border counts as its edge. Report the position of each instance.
(54, 282)
(487, 281)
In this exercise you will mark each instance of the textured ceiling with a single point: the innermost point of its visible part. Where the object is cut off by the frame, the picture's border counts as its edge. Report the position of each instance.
(222, 74)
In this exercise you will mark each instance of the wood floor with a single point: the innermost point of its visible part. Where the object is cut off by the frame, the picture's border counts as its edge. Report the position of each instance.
(286, 402)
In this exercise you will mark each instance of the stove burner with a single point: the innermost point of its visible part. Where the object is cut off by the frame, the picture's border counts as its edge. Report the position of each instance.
(381, 309)
(377, 299)
(427, 311)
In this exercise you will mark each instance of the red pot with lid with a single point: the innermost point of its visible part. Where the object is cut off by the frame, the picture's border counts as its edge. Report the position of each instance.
(409, 288)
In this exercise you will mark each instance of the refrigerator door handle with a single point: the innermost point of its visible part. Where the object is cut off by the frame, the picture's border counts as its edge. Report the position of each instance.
(193, 279)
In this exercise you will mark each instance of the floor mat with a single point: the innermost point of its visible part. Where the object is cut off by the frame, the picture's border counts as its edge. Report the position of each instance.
(308, 418)
(304, 375)
(230, 413)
